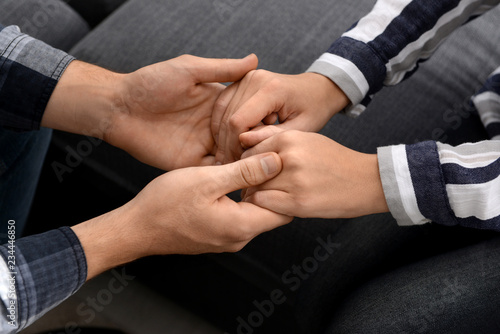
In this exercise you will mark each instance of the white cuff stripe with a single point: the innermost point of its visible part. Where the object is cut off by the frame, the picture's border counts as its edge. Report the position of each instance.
(475, 200)
(349, 68)
(376, 22)
(405, 185)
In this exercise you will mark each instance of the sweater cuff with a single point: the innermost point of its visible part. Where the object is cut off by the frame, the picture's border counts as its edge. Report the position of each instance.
(345, 75)
(398, 186)
(355, 68)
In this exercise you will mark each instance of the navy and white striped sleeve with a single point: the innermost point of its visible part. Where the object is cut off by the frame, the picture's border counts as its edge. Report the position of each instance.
(386, 45)
(29, 72)
(487, 104)
(449, 185)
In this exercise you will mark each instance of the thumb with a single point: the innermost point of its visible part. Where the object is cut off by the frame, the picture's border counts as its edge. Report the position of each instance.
(246, 173)
(223, 70)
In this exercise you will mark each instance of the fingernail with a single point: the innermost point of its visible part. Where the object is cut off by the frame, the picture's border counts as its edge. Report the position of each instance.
(218, 163)
(269, 164)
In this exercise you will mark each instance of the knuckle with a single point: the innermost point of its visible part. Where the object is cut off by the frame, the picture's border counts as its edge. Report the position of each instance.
(234, 248)
(185, 57)
(260, 74)
(235, 122)
(288, 136)
(288, 140)
(247, 174)
(293, 160)
(217, 245)
(242, 233)
(274, 85)
(238, 247)
(301, 204)
(206, 185)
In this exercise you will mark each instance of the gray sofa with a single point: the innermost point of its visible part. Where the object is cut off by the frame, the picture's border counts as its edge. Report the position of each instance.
(287, 37)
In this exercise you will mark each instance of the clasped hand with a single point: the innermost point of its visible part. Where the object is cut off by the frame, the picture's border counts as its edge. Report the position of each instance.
(320, 177)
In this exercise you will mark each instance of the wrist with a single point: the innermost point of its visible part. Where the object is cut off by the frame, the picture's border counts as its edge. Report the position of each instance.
(375, 198)
(85, 101)
(109, 240)
(329, 93)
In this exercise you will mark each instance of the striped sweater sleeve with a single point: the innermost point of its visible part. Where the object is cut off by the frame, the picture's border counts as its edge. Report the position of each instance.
(448, 185)
(386, 45)
(487, 104)
(436, 182)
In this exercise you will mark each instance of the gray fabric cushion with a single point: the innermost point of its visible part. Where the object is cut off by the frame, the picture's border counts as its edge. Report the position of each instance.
(94, 11)
(288, 36)
(51, 21)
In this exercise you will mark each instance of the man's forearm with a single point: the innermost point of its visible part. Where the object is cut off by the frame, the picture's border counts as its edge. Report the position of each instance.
(110, 240)
(85, 100)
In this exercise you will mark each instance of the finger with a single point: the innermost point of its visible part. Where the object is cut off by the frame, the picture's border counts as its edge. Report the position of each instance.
(261, 220)
(235, 155)
(249, 191)
(249, 115)
(235, 96)
(246, 173)
(258, 135)
(256, 219)
(241, 94)
(268, 145)
(270, 119)
(298, 123)
(221, 146)
(220, 108)
(222, 70)
(274, 200)
(207, 160)
(243, 193)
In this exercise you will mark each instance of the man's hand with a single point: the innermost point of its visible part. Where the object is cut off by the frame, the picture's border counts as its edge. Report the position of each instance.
(301, 102)
(320, 177)
(183, 212)
(160, 114)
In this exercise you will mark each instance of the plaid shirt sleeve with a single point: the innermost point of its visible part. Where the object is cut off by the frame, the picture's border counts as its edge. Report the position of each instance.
(29, 72)
(36, 274)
